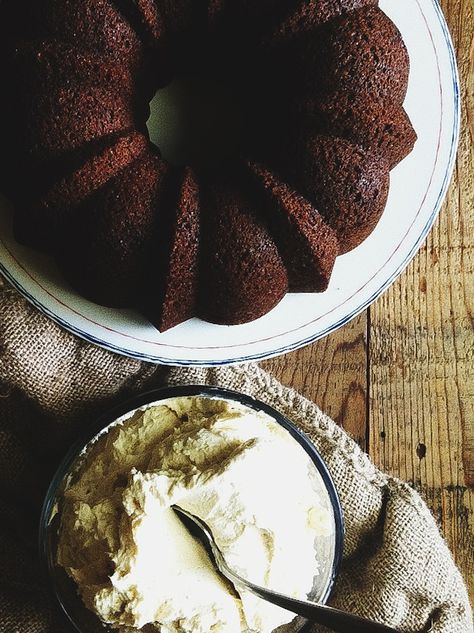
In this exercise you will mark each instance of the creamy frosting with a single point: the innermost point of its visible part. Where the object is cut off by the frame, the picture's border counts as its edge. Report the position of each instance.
(242, 473)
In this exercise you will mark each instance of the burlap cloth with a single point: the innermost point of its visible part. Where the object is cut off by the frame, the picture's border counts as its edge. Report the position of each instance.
(397, 568)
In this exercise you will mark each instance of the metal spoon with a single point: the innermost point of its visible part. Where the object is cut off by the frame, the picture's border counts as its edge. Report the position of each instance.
(321, 614)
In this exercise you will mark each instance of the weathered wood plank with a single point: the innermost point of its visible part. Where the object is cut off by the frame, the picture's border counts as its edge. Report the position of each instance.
(421, 346)
(333, 373)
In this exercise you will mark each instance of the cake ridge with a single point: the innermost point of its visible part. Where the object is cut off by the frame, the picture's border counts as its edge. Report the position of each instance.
(176, 300)
(37, 222)
(307, 15)
(90, 24)
(45, 174)
(354, 55)
(45, 63)
(346, 183)
(381, 128)
(242, 275)
(307, 244)
(144, 18)
(67, 117)
(107, 256)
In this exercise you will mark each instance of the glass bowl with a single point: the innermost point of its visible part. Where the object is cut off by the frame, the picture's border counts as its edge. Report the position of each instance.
(328, 550)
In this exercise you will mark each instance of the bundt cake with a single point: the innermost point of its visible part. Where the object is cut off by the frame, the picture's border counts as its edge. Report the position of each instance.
(320, 86)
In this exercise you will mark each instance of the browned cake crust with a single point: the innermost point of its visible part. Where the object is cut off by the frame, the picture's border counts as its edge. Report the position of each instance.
(362, 53)
(127, 31)
(47, 122)
(347, 184)
(382, 128)
(242, 275)
(39, 220)
(94, 25)
(38, 64)
(357, 54)
(106, 256)
(176, 302)
(145, 18)
(306, 15)
(307, 245)
(66, 119)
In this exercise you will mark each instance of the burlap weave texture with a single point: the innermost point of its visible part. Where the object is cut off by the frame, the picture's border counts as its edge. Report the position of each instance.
(397, 568)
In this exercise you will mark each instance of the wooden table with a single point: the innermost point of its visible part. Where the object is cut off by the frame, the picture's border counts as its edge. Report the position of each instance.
(400, 377)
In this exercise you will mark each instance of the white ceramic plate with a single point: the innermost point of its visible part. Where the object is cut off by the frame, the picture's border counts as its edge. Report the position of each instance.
(418, 186)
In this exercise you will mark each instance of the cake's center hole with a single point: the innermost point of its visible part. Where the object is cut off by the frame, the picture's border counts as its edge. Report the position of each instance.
(197, 121)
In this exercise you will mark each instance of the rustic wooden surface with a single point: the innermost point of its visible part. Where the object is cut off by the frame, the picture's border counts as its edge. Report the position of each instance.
(400, 377)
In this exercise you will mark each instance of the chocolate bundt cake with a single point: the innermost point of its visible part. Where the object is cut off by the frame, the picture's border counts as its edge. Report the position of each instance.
(319, 86)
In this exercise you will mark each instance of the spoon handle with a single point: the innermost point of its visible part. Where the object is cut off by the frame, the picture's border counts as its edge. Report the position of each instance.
(334, 619)
(338, 621)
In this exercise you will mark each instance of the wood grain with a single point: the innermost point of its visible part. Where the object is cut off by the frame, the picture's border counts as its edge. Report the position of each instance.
(333, 373)
(421, 346)
(401, 376)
